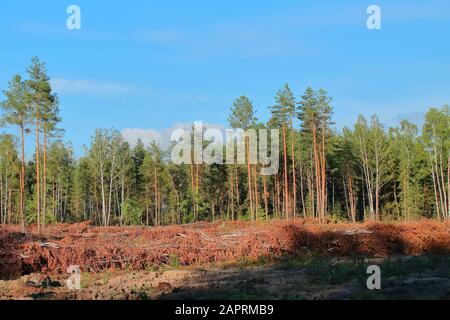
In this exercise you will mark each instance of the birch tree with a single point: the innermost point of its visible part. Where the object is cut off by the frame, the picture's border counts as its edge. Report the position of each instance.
(436, 136)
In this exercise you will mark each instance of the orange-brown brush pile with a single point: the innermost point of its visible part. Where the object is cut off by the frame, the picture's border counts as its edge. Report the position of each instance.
(98, 248)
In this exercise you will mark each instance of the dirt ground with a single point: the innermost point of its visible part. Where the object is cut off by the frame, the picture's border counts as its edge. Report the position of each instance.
(403, 277)
(240, 260)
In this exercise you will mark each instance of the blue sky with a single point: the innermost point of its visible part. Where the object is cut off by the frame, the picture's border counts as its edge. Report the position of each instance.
(145, 66)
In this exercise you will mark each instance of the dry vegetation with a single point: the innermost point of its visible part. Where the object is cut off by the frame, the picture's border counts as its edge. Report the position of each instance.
(240, 260)
(139, 248)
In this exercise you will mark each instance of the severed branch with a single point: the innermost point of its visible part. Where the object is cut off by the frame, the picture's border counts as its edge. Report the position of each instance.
(356, 231)
(206, 236)
(239, 234)
(16, 253)
(183, 235)
(48, 245)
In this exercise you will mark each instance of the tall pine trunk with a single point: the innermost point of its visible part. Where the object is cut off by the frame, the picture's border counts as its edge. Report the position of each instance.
(237, 188)
(255, 176)
(302, 189)
(324, 178)
(294, 185)
(156, 195)
(38, 182)
(286, 183)
(318, 176)
(193, 190)
(22, 177)
(44, 181)
(249, 176)
(266, 206)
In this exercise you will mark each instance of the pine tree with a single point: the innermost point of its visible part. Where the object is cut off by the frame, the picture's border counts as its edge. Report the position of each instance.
(17, 111)
(41, 99)
(242, 116)
(314, 112)
(283, 113)
(49, 121)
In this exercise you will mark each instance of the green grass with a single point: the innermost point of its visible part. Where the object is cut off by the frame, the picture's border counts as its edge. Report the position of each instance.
(322, 275)
(4, 288)
(142, 293)
(106, 277)
(396, 270)
(174, 261)
(42, 295)
(86, 280)
(324, 270)
(400, 267)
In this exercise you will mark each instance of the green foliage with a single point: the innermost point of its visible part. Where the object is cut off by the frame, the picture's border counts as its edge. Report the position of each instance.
(242, 114)
(361, 172)
(132, 212)
(174, 261)
(284, 109)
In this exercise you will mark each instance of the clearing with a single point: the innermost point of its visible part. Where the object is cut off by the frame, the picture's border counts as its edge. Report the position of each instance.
(228, 260)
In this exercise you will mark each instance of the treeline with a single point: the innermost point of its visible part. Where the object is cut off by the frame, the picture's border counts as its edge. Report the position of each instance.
(366, 172)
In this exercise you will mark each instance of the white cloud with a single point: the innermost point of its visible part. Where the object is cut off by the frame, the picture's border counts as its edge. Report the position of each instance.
(131, 135)
(89, 87)
(68, 86)
(147, 136)
(417, 118)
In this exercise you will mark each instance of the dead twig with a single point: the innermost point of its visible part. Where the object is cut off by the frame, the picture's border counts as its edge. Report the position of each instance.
(15, 253)
(206, 236)
(183, 235)
(240, 234)
(357, 231)
(49, 245)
